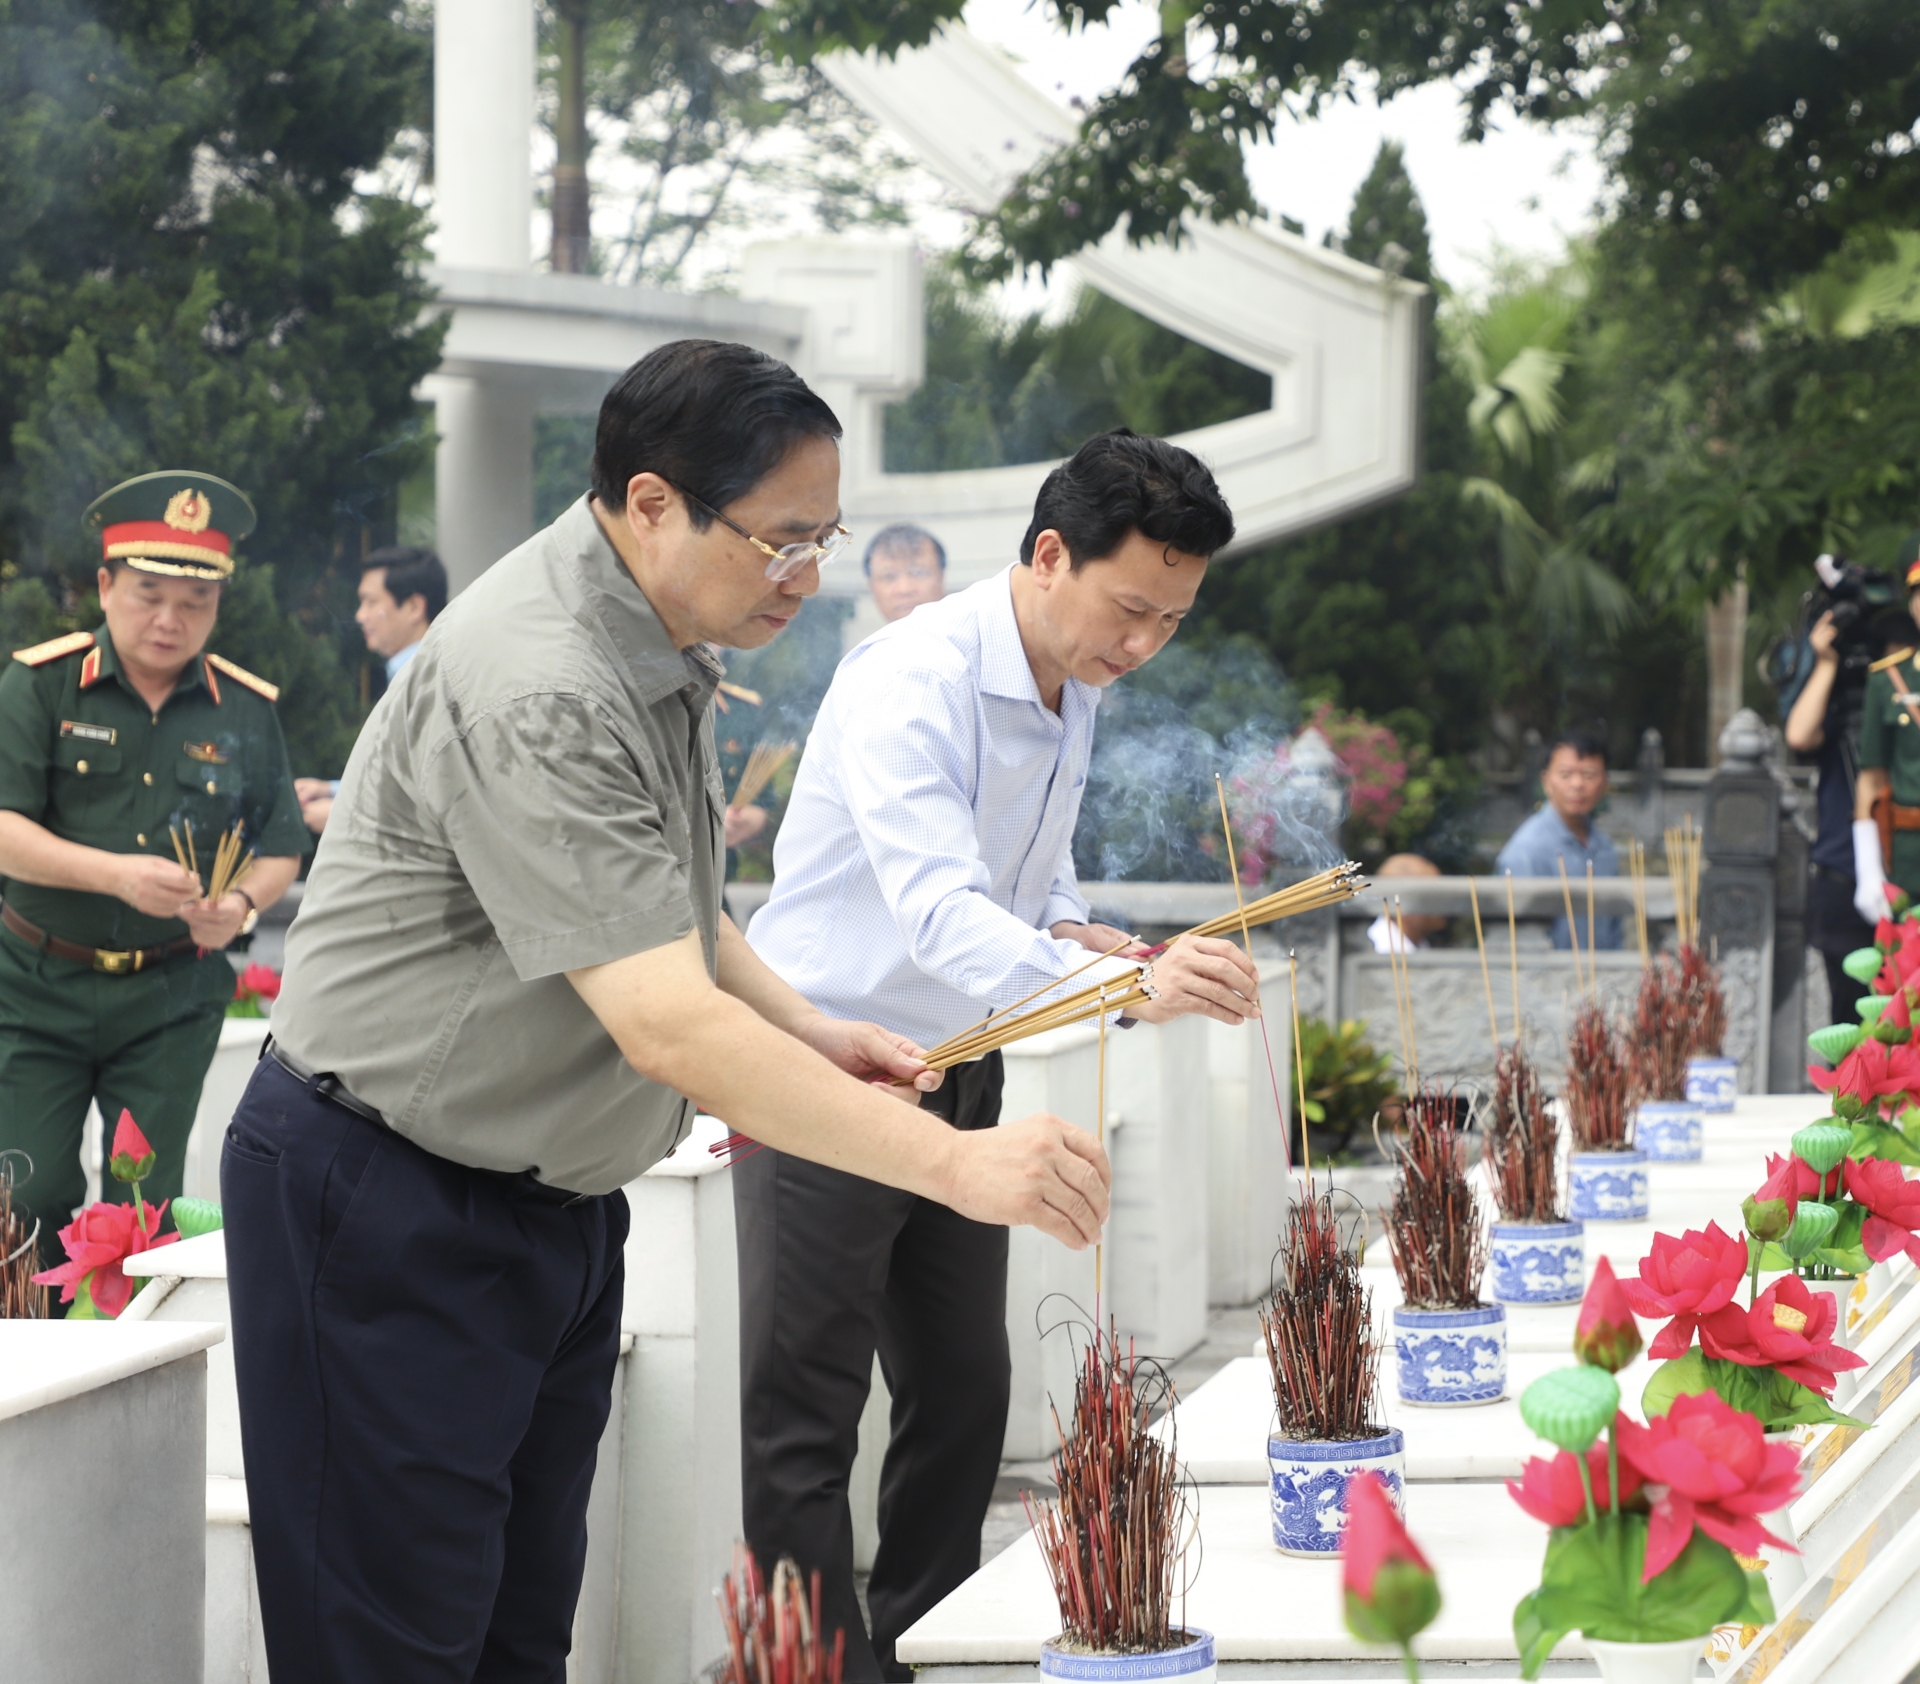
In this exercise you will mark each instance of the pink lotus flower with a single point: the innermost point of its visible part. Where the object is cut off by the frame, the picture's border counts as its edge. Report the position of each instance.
(1789, 1329)
(1792, 1178)
(1871, 1072)
(1549, 1490)
(258, 980)
(1894, 1204)
(1687, 1279)
(98, 1240)
(1606, 1335)
(132, 1158)
(1710, 1466)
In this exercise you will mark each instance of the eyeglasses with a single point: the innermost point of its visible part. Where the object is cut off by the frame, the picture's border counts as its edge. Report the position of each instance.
(786, 561)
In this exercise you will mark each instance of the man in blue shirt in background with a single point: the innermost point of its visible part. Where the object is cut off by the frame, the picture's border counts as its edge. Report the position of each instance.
(1574, 783)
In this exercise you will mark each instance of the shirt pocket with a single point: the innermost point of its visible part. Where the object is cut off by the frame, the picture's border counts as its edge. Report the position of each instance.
(89, 793)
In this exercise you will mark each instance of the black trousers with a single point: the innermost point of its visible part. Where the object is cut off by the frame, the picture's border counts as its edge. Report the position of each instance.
(833, 1267)
(425, 1356)
(1835, 928)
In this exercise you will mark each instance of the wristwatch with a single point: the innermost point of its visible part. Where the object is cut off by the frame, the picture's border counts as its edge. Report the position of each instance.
(253, 914)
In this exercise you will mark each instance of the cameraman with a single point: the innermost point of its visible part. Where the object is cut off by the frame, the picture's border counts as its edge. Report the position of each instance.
(1818, 726)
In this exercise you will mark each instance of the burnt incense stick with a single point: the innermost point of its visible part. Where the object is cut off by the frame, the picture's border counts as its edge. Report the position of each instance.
(1406, 971)
(1246, 941)
(1299, 1078)
(1486, 976)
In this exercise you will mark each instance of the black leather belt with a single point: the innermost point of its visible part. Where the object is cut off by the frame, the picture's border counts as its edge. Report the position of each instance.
(324, 1084)
(1832, 876)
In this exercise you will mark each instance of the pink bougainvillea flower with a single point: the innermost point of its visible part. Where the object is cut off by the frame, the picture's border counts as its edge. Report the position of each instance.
(1707, 1465)
(98, 1240)
(131, 1158)
(1606, 1335)
(1893, 1203)
(1549, 1489)
(1687, 1279)
(1789, 1329)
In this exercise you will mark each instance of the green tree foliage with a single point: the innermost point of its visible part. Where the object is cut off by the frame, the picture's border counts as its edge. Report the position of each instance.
(190, 277)
(1030, 390)
(698, 133)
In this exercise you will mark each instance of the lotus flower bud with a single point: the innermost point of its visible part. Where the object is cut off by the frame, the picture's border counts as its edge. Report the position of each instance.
(1571, 1406)
(1391, 1593)
(132, 1158)
(1606, 1335)
(1767, 1219)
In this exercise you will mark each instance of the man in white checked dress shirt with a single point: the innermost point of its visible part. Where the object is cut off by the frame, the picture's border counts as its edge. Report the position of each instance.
(922, 876)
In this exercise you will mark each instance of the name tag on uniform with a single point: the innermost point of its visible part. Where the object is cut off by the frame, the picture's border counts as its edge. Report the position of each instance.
(208, 754)
(88, 733)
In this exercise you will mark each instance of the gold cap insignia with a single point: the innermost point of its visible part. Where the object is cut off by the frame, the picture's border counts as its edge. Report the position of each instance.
(188, 511)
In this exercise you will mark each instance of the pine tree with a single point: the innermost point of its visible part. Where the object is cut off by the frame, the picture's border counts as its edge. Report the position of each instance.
(190, 277)
(1387, 211)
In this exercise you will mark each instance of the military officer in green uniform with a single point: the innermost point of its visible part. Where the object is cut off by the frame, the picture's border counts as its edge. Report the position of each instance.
(1886, 794)
(113, 978)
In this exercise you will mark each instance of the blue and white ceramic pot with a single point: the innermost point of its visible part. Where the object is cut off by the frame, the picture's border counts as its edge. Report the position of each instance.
(1450, 1357)
(1712, 1083)
(1192, 1663)
(1670, 1131)
(1308, 1486)
(1539, 1262)
(1609, 1186)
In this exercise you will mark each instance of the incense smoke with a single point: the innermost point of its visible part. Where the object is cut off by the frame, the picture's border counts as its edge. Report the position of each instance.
(1149, 812)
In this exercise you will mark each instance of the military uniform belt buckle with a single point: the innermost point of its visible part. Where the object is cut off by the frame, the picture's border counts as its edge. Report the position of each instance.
(116, 963)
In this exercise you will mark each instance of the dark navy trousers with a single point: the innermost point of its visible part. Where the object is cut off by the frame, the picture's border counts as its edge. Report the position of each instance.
(425, 1356)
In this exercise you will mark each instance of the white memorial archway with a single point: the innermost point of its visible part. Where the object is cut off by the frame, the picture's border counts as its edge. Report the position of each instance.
(1341, 341)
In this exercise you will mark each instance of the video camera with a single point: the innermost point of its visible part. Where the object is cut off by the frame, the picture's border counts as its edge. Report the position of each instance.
(1869, 609)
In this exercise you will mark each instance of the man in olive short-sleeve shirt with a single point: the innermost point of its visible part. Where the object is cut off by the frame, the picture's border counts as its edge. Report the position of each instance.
(509, 982)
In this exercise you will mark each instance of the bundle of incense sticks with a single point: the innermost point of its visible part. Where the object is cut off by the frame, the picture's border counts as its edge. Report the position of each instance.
(230, 863)
(1637, 865)
(19, 1259)
(766, 759)
(1434, 1231)
(1683, 866)
(1119, 994)
(1523, 1142)
(1317, 1327)
(774, 1638)
(1113, 1538)
(1600, 1081)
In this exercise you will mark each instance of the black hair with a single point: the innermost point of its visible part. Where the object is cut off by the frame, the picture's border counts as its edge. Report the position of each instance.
(411, 572)
(1119, 482)
(1585, 744)
(710, 418)
(902, 538)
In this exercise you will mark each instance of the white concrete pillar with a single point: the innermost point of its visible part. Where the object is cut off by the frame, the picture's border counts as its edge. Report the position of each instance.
(483, 489)
(483, 76)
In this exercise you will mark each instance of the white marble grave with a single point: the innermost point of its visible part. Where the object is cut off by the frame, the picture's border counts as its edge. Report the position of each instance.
(102, 1459)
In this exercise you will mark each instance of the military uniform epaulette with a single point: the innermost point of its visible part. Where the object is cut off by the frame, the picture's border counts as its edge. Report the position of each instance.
(53, 649)
(1882, 665)
(240, 675)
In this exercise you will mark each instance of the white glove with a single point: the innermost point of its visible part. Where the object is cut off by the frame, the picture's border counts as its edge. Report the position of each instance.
(1869, 877)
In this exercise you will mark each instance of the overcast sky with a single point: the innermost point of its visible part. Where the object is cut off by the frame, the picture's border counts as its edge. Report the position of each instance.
(1524, 189)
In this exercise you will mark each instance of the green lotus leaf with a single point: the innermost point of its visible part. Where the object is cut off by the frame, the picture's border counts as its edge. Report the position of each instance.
(1571, 1406)
(1834, 1042)
(1821, 1146)
(1863, 964)
(194, 1217)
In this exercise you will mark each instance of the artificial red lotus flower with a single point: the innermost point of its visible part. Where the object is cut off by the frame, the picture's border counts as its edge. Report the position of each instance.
(1707, 1465)
(1789, 1329)
(261, 981)
(1871, 1072)
(1792, 1178)
(1606, 1335)
(98, 1240)
(1549, 1489)
(1390, 1591)
(1894, 1204)
(131, 1158)
(1686, 1279)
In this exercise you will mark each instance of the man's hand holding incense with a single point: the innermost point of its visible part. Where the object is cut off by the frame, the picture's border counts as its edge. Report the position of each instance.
(1202, 974)
(1038, 1172)
(873, 1054)
(214, 923)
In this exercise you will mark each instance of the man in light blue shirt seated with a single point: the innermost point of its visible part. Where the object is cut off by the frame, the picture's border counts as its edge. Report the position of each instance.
(402, 589)
(923, 877)
(1574, 783)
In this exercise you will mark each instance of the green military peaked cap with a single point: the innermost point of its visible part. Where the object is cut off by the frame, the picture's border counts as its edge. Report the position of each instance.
(176, 522)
